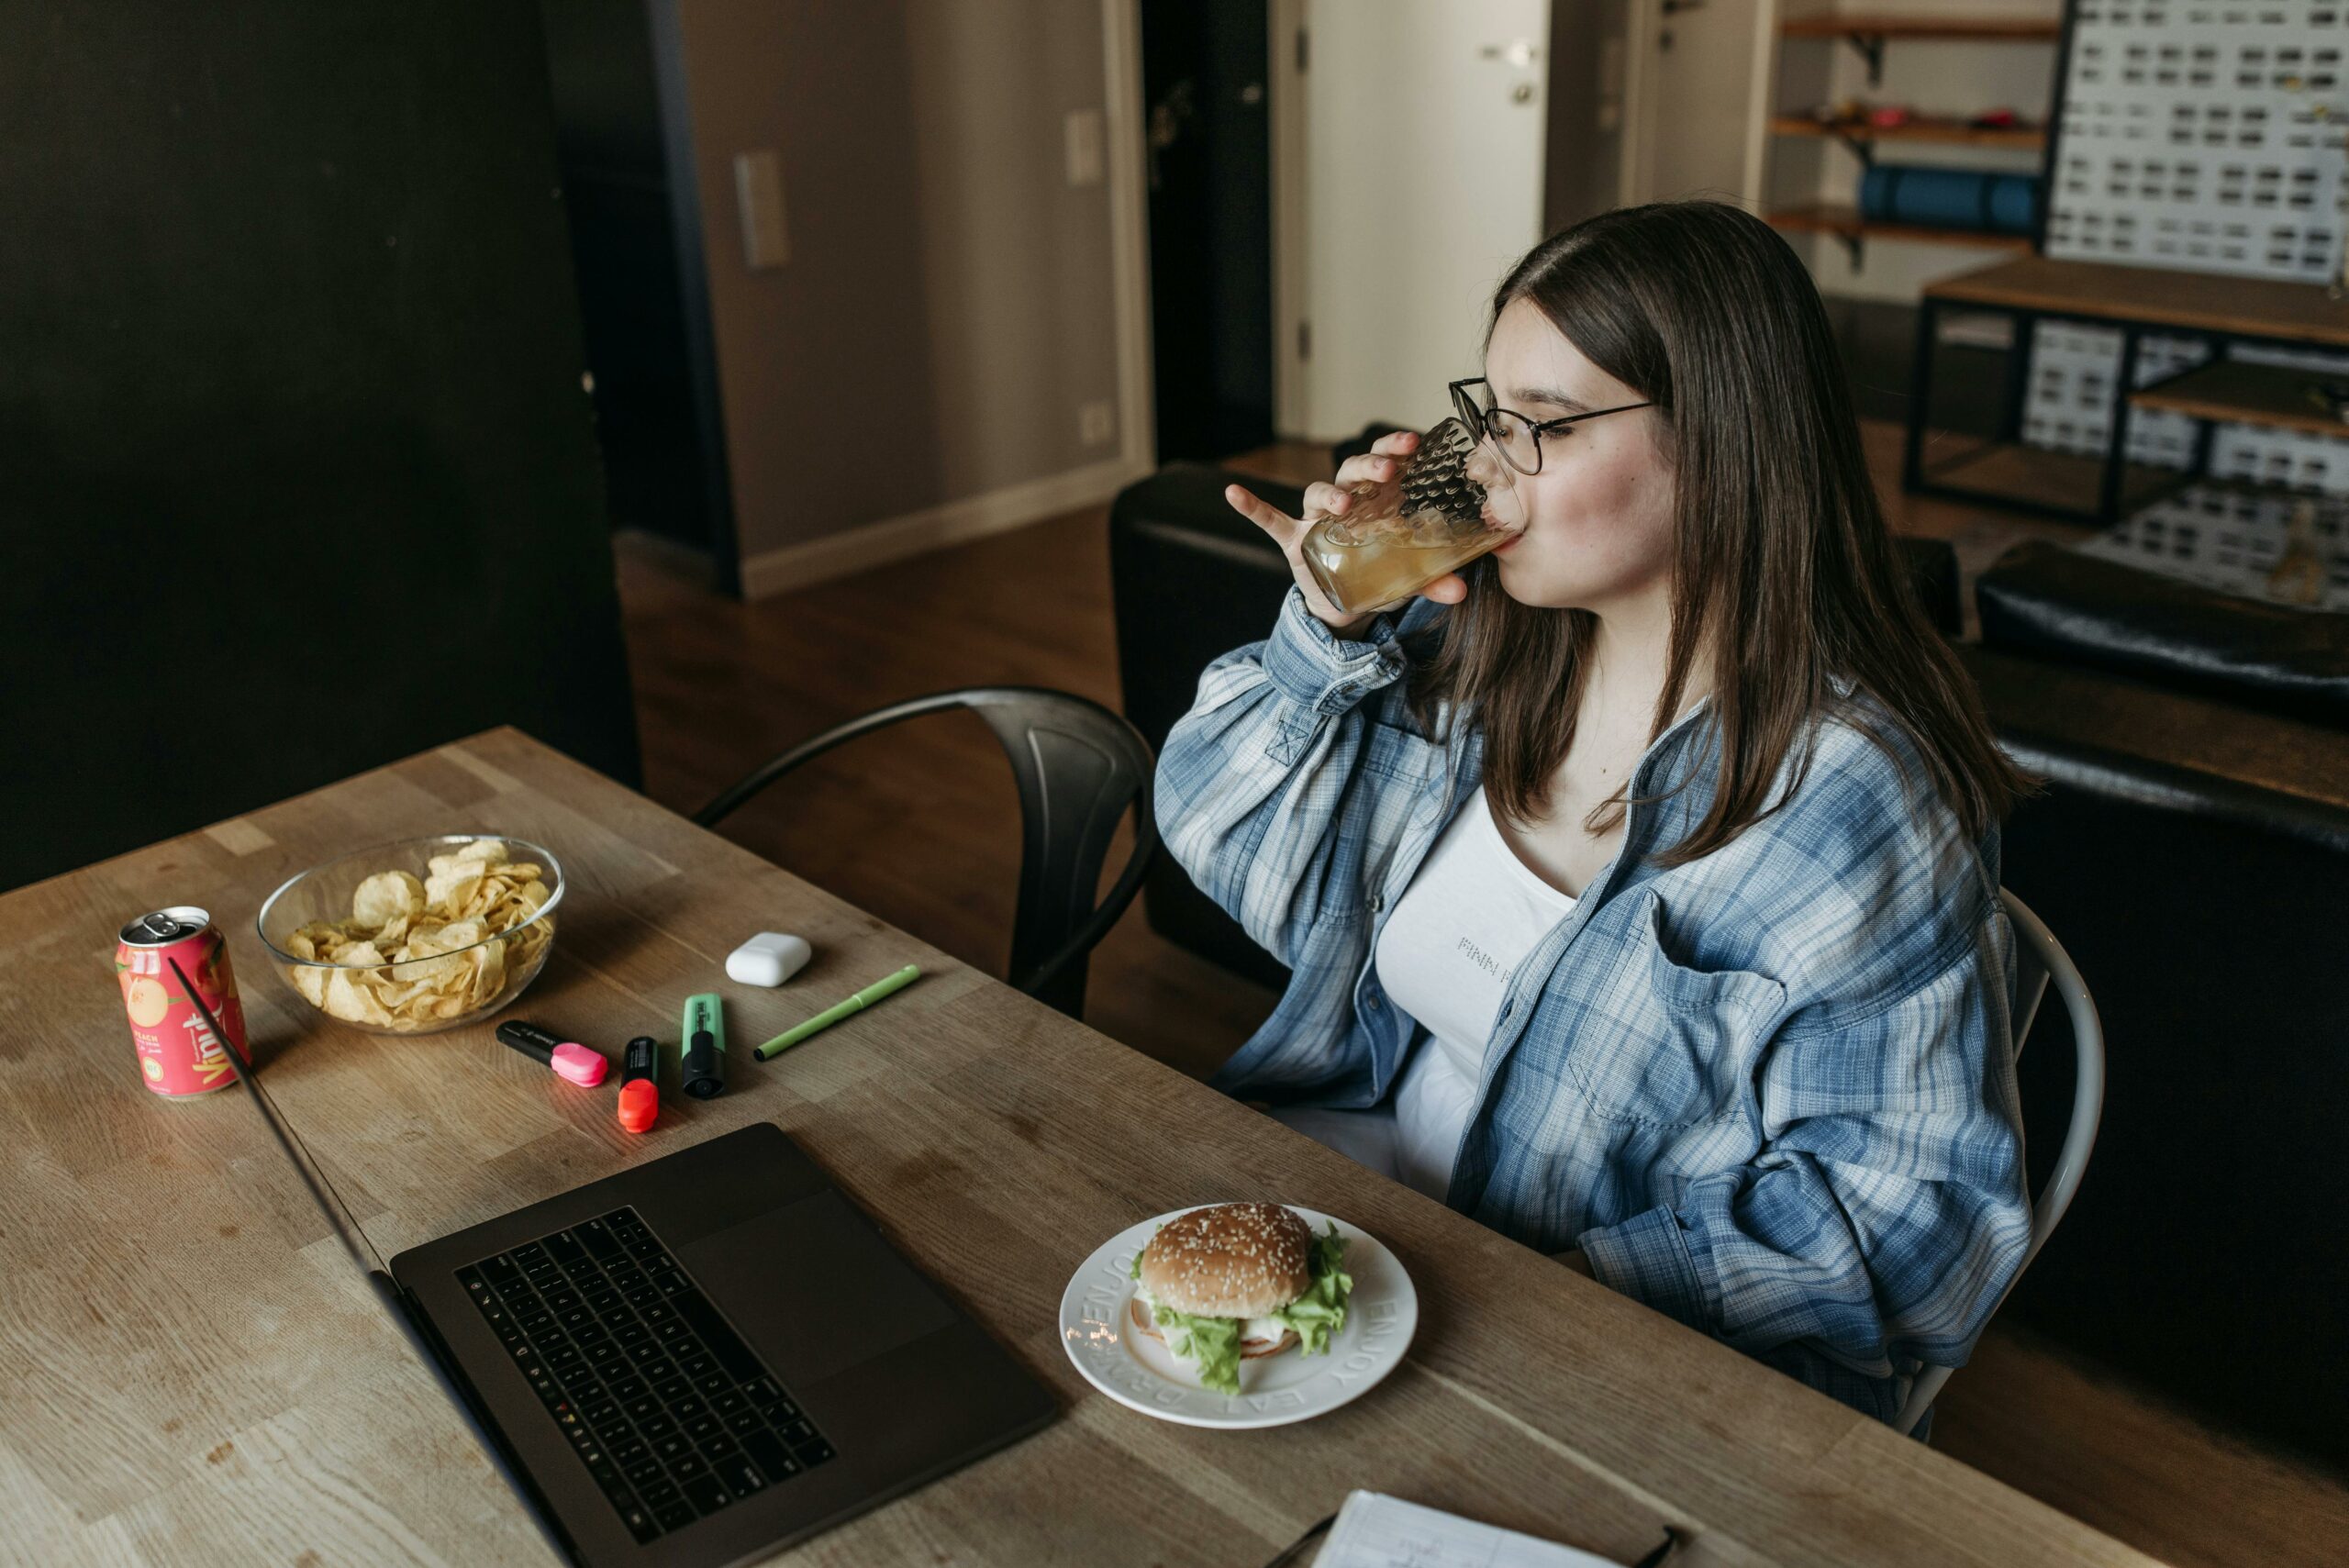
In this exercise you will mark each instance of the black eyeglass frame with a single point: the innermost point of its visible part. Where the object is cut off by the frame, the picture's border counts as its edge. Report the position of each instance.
(1479, 424)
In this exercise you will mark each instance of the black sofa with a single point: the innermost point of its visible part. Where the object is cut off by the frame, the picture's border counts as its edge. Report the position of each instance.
(2191, 853)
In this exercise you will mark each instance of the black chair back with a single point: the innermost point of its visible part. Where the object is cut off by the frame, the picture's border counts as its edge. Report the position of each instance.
(1079, 766)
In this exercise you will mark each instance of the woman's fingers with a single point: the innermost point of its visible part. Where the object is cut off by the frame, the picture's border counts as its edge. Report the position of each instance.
(1325, 500)
(1368, 468)
(1402, 443)
(1447, 589)
(1262, 513)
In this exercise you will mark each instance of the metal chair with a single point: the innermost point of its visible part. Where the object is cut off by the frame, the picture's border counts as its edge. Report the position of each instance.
(2040, 958)
(1079, 766)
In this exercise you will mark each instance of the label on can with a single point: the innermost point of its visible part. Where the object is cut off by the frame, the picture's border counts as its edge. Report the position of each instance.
(178, 1055)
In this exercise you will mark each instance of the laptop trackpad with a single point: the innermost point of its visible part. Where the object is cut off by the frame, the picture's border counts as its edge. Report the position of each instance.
(815, 1288)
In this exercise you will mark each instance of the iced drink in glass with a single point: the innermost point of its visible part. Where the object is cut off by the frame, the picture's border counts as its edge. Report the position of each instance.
(1454, 501)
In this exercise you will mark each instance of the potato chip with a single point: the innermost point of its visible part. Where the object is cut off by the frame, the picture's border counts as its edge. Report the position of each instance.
(415, 954)
(451, 891)
(431, 972)
(488, 852)
(310, 981)
(350, 998)
(489, 970)
(386, 897)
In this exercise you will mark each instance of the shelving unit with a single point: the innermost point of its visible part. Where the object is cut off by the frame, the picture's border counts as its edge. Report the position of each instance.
(1869, 33)
(2137, 302)
(2063, 484)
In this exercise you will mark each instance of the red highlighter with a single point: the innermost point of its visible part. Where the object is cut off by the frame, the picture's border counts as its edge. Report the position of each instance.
(640, 1085)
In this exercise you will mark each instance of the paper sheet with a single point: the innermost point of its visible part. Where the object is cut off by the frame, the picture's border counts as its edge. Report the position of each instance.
(1377, 1531)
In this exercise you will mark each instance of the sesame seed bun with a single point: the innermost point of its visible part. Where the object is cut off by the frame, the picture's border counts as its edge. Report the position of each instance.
(1234, 1259)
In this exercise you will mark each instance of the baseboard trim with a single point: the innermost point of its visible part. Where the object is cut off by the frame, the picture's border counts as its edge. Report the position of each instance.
(875, 544)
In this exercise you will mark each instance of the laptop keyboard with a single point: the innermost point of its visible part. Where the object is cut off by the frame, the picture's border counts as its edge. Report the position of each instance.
(670, 1411)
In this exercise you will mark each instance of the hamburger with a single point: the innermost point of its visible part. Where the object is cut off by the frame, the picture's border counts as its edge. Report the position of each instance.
(1239, 1281)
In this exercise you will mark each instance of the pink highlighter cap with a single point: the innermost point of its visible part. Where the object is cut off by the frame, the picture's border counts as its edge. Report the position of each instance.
(579, 1064)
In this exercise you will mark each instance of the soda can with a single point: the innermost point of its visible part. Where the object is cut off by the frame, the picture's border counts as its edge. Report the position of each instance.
(179, 1057)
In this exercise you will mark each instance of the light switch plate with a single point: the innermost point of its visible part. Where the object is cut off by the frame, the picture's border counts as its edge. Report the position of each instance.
(1097, 422)
(758, 193)
(1084, 127)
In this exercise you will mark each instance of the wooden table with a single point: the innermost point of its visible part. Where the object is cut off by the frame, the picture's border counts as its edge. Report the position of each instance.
(193, 1375)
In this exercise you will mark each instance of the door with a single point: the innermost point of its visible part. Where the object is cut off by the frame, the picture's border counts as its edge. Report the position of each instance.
(1209, 143)
(1694, 99)
(1423, 129)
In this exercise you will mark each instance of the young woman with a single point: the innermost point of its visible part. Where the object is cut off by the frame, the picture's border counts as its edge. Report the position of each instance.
(1640, 886)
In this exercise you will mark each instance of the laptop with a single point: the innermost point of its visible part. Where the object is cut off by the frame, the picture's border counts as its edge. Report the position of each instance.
(704, 1358)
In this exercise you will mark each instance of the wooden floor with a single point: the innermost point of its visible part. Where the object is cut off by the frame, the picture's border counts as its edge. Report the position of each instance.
(920, 825)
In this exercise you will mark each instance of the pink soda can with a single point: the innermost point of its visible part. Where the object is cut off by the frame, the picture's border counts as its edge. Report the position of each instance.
(179, 1057)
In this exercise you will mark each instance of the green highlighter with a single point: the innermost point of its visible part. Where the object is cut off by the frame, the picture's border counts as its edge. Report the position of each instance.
(701, 1060)
(834, 1014)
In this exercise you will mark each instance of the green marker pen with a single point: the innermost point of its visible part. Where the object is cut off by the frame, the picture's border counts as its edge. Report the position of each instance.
(834, 1014)
(702, 1061)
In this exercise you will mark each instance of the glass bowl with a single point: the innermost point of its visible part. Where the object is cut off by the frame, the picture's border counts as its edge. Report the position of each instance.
(437, 947)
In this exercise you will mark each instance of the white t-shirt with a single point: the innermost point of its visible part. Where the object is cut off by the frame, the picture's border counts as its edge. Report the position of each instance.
(1471, 914)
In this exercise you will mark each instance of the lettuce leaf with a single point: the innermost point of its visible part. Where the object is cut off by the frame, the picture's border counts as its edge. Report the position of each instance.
(1213, 1342)
(1321, 1310)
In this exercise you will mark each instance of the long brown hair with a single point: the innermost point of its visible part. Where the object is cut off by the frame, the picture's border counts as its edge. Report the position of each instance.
(1780, 555)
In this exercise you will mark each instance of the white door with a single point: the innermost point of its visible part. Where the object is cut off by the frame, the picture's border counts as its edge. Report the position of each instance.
(1693, 98)
(1422, 185)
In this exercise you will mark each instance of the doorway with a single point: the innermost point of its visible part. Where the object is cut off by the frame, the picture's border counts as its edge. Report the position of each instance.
(1698, 67)
(1206, 99)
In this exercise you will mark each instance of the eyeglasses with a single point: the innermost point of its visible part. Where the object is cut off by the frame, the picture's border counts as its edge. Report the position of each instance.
(1515, 437)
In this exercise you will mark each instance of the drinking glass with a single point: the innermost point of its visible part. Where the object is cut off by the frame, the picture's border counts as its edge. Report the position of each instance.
(1454, 501)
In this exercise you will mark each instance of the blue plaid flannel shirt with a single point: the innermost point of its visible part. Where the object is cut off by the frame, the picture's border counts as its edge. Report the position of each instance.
(1770, 1093)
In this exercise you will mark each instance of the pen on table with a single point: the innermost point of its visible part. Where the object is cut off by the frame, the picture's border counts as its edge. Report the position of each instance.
(834, 1014)
(1672, 1541)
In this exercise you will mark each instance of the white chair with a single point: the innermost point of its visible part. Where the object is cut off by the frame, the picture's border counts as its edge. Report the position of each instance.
(2040, 958)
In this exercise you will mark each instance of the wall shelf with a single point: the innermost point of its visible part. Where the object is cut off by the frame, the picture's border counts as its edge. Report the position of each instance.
(1846, 225)
(1868, 34)
(1859, 134)
(1840, 25)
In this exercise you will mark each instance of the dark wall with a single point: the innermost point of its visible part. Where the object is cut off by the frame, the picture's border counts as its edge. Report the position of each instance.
(298, 474)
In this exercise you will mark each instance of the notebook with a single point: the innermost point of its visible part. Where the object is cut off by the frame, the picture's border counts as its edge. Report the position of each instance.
(1375, 1530)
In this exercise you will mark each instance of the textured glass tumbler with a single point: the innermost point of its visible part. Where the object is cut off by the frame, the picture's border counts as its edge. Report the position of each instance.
(1456, 501)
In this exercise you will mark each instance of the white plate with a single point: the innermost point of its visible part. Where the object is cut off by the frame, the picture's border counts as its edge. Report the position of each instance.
(1141, 1373)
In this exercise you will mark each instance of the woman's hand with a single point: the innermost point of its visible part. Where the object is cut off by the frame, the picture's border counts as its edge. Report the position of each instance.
(1379, 467)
